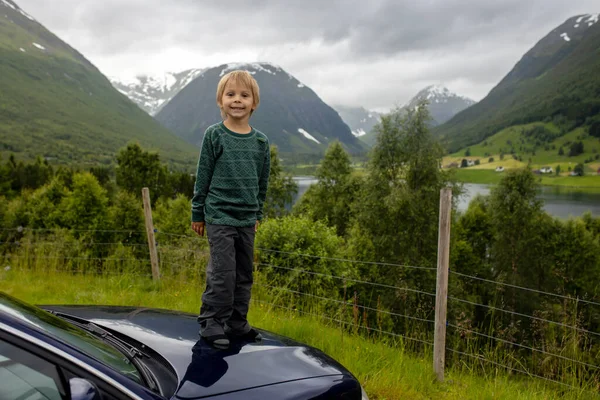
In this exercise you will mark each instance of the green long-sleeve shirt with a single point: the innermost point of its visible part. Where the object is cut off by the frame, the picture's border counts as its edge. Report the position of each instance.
(232, 177)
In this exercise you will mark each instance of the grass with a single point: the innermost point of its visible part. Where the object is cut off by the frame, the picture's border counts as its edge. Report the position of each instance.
(545, 155)
(56, 104)
(382, 365)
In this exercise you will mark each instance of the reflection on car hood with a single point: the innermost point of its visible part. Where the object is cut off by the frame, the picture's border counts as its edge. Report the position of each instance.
(201, 369)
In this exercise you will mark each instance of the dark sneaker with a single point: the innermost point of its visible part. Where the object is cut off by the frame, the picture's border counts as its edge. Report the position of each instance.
(252, 336)
(218, 341)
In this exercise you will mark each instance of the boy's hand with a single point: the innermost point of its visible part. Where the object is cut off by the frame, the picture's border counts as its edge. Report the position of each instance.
(256, 226)
(198, 227)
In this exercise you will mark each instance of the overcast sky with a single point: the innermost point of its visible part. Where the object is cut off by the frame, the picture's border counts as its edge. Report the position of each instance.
(371, 53)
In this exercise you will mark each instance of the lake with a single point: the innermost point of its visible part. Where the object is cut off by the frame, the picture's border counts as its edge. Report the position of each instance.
(559, 202)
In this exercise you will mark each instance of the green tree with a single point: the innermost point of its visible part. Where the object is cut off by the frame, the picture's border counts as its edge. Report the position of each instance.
(579, 169)
(576, 149)
(561, 151)
(518, 253)
(85, 208)
(126, 218)
(398, 208)
(330, 199)
(173, 215)
(137, 169)
(282, 188)
(468, 152)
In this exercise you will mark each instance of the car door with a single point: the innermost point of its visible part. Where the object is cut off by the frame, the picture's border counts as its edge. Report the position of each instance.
(23, 375)
(29, 372)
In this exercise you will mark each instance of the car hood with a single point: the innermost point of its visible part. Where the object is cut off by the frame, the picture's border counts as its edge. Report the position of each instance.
(202, 370)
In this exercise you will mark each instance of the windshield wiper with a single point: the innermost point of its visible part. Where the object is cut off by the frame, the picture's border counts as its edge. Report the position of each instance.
(132, 353)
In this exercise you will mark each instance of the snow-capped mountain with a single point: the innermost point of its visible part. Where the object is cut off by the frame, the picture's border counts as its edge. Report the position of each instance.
(443, 104)
(151, 93)
(359, 119)
(290, 113)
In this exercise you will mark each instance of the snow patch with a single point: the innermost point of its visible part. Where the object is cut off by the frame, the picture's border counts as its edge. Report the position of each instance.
(580, 18)
(565, 36)
(39, 46)
(27, 15)
(300, 85)
(170, 80)
(191, 76)
(359, 132)
(22, 49)
(7, 4)
(576, 26)
(307, 135)
(252, 68)
(593, 19)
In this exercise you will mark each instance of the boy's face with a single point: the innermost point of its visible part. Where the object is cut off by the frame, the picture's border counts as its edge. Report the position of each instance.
(237, 101)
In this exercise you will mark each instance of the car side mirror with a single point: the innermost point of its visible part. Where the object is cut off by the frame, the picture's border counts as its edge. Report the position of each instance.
(82, 389)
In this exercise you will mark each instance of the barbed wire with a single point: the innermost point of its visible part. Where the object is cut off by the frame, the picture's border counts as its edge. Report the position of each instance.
(525, 288)
(346, 322)
(346, 303)
(349, 279)
(510, 368)
(193, 251)
(204, 238)
(95, 273)
(33, 256)
(346, 260)
(523, 346)
(19, 243)
(523, 315)
(23, 229)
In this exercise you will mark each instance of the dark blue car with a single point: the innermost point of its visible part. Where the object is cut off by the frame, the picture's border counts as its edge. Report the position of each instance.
(94, 352)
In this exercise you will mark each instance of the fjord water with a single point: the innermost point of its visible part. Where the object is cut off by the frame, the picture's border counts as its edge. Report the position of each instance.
(558, 202)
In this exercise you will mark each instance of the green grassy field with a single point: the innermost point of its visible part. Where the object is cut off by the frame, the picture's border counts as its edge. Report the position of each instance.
(382, 365)
(529, 153)
(490, 177)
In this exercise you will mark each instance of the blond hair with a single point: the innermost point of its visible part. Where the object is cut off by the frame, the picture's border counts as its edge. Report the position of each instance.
(242, 77)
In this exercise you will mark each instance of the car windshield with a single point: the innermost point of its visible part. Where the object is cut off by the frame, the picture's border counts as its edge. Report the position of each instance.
(72, 335)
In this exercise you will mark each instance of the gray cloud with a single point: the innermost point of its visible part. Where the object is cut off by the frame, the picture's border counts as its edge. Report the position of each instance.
(374, 53)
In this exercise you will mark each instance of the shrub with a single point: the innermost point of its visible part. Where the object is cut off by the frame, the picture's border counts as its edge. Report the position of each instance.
(293, 243)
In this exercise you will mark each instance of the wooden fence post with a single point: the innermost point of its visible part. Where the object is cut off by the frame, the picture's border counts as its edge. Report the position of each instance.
(150, 233)
(441, 293)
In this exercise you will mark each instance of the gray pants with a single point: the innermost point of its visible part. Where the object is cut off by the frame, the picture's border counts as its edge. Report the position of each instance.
(226, 300)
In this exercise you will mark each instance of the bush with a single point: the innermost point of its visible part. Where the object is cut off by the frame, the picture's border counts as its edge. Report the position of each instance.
(174, 216)
(287, 244)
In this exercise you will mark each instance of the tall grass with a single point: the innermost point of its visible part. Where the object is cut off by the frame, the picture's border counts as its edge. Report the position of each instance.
(388, 366)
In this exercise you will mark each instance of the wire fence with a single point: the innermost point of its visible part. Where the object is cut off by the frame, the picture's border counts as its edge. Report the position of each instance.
(177, 260)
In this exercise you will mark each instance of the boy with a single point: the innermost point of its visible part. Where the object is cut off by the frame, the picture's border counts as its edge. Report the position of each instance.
(231, 187)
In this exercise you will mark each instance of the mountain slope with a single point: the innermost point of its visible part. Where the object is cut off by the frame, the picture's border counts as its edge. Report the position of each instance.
(151, 93)
(359, 119)
(55, 103)
(442, 104)
(556, 80)
(291, 114)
